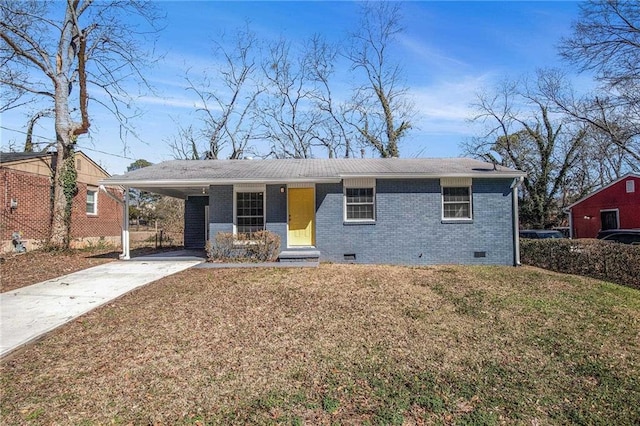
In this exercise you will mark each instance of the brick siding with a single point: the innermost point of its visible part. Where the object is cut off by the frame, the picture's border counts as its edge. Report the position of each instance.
(408, 229)
(32, 217)
(106, 223)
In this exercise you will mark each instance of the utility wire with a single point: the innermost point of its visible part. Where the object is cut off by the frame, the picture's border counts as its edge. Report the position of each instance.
(46, 140)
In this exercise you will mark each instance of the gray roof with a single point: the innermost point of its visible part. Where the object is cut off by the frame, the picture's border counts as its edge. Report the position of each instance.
(9, 157)
(201, 173)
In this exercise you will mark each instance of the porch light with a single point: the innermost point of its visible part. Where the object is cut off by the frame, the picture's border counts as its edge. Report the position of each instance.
(282, 189)
(588, 217)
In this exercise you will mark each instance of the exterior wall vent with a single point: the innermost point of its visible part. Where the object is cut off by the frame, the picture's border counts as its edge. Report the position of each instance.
(350, 257)
(479, 254)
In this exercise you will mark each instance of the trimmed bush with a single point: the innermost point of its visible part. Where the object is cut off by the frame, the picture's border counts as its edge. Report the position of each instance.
(262, 246)
(618, 263)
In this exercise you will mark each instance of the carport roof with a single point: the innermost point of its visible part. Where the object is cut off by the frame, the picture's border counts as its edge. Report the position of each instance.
(183, 177)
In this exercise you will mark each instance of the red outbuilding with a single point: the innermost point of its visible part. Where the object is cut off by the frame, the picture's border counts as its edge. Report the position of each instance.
(615, 206)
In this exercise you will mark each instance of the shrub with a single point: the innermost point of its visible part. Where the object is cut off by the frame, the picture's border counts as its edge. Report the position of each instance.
(618, 263)
(262, 246)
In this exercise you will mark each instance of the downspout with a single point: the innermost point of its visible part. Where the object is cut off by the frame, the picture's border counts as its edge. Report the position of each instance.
(125, 220)
(516, 229)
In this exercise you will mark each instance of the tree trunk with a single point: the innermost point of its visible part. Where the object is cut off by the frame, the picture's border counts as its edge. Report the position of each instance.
(60, 214)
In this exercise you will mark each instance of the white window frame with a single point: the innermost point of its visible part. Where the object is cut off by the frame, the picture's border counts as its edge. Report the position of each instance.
(361, 183)
(446, 183)
(244, 188)
(95, 201)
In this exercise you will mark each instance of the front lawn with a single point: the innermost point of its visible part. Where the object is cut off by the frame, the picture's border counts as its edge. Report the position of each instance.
(341, 344)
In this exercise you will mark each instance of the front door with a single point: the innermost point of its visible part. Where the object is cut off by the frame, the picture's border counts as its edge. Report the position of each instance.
(301, 216)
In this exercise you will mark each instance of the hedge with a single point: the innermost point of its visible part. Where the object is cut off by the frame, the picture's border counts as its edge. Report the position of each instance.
(614, 262)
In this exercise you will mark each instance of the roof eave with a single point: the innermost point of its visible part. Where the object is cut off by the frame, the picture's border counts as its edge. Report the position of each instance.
(183, 183)
(494, 175)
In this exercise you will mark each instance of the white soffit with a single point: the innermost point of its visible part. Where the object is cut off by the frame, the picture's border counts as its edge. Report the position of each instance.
(359, 183)
(455, 182)
(249, 187)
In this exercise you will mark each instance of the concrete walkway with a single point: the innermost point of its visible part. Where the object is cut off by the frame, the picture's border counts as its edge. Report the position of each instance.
(30, 312)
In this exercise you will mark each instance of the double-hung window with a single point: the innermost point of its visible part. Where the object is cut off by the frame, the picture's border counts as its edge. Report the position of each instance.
(359, 200)
(249, 210)
(92, 201)
(456, 199)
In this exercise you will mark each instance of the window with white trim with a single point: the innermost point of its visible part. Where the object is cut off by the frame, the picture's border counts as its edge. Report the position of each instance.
(456, 203)
(359, 200)
(456, 199)
(249, 211)
(92, 201)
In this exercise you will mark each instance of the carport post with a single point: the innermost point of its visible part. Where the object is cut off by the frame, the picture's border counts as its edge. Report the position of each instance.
(125, 227)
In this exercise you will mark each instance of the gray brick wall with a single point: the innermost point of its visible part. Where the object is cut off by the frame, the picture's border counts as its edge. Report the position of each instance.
(194, 223)
(221, 210)
(277, 213)
(408, 227)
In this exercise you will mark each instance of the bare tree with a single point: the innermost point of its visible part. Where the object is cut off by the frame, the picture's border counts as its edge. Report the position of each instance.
(288, 119)
(614, 122)
(184, 144)
(228, 95)
(381, 111)
(533, 140)
(332, 133)
(28, 143)
(55, 52)
(606, 40)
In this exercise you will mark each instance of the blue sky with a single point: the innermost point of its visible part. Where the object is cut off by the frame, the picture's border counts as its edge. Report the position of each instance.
(449, 51)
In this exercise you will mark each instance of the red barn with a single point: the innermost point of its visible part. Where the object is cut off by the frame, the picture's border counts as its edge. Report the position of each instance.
(614, 206)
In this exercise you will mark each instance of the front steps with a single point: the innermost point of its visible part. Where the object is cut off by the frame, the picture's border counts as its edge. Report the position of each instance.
(299, 255)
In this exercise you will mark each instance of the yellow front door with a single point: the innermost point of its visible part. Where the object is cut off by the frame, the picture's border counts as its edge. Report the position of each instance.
(301, 216)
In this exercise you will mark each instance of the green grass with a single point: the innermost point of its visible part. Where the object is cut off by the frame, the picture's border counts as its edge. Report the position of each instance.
(342, 344)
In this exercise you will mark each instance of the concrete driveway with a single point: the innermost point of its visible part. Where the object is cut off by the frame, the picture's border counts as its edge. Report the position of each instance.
(30, 312)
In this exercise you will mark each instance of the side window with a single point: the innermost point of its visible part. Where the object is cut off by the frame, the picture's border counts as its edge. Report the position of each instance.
(92, 201)
(456, 203)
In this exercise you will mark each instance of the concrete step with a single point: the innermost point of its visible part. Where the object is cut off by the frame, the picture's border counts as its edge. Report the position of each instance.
(300, 255)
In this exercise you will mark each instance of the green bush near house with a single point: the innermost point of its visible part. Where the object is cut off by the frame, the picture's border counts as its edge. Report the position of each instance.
(617, 263)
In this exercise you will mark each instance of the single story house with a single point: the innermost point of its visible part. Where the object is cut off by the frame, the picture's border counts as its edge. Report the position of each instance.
(27, 188)
(614, 206)
(385, 210)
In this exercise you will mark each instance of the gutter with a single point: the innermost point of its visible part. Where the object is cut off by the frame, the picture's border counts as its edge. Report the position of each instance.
(184, 183)
(516, 229)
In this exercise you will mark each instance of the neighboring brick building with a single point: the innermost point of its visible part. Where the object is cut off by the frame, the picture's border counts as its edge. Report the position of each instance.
(26, 201)
(614, 206)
